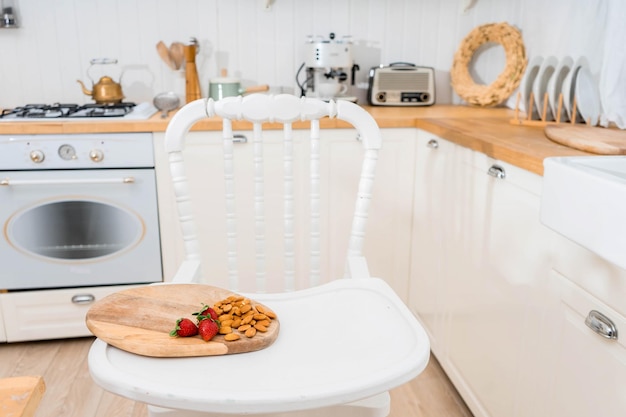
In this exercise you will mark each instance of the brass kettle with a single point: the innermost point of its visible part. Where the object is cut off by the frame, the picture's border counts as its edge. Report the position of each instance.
(106, 90)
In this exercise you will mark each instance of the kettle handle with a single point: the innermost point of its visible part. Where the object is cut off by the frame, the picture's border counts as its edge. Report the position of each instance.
(99, 61)
(103, 61)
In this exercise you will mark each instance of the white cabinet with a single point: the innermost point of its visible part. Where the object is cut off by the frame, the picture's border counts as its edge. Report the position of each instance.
(437, 188)
(388, 235)
(3, 335)
(476, 262)
(586, 375)
(492, 298)
(583, 373)
(50, 314)
(504, 298)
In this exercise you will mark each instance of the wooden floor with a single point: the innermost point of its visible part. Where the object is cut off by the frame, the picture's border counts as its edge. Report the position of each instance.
(70, 391)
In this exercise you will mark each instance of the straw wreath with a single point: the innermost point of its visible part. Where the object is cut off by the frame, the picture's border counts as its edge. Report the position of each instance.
(489, 95)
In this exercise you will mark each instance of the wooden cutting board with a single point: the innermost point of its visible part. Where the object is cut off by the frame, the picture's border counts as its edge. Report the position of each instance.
(139, 320)
(598, 140)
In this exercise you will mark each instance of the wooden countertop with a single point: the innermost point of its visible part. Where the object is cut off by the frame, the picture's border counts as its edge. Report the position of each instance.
(487, 130)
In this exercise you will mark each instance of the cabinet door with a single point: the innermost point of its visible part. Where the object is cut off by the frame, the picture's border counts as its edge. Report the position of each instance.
(3, 335)
(204, 169)
(387, 245)
(587, 376)
(387, 242)
(492, 295)
(172, 250)
(433, 207)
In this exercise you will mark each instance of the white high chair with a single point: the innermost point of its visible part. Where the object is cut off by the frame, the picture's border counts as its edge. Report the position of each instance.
(343, 343)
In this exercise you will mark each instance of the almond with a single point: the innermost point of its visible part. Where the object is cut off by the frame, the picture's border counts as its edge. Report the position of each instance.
(225, 329)
(231, 337)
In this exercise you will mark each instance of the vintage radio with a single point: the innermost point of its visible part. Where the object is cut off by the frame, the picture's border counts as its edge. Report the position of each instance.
(401, 84)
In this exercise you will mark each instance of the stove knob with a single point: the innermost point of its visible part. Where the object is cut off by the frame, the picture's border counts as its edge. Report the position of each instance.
(96, 155)
(37, 156)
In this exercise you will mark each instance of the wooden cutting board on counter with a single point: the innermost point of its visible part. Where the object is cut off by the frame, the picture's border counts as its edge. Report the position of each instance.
(139, 320)
(598, 140)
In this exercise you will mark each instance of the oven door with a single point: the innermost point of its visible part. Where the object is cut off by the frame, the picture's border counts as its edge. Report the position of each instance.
(75, 228)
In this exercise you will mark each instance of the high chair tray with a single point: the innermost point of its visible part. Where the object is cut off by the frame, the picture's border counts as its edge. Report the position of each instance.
(339, 342)
(139, 321)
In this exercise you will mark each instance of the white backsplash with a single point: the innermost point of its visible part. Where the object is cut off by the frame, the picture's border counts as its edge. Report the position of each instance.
(41, 61)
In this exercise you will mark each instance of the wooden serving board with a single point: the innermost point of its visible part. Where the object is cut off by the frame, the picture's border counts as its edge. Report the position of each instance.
(598, 140)
(139, 320)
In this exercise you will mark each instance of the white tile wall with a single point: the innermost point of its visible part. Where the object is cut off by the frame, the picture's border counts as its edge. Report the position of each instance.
(41, 61)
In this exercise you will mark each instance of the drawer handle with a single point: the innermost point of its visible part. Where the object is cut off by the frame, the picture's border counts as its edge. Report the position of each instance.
(83, 299)
(601, 324)
(76, 181)
(497, 171)
(240, 139)
(433, 144)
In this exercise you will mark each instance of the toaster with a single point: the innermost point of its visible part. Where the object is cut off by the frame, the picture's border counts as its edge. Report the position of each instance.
(401, 84)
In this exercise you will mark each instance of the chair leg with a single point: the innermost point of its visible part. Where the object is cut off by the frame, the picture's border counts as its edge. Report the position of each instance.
(376, 406)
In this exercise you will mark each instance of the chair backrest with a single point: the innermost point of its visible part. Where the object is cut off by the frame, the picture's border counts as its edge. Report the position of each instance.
(256, 217)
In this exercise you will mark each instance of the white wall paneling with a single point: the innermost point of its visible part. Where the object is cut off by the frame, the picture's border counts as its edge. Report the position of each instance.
(41, 61)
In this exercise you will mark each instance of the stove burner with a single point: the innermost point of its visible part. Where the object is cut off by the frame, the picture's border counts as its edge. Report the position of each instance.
(58, 110)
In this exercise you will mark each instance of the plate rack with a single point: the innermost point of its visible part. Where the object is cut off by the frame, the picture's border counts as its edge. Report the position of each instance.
(528, 120)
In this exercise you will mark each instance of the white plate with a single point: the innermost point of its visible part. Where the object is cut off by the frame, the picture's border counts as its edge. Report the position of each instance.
(569, 85)
(540, 86)
(527, 84)
(587, 96)
(554, 87)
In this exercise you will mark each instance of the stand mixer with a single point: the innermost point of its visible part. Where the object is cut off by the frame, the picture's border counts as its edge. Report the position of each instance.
(329, 67)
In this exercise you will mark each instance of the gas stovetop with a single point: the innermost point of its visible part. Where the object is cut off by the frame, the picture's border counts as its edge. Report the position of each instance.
(56, 111)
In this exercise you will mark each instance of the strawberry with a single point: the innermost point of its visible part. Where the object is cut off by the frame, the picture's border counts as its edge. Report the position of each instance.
(206, 312)
(208, 329)
(184, 328)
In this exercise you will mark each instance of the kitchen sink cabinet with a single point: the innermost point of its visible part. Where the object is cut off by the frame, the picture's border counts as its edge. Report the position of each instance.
(387, 245)
(504, 298)
(585, 373)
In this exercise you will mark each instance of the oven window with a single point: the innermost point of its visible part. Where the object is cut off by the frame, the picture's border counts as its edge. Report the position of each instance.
(76, 230)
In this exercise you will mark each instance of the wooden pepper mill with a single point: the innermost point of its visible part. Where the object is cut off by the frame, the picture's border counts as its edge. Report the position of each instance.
(192, 83)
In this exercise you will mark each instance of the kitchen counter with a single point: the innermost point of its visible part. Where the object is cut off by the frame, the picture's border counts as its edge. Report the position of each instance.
(487, 130)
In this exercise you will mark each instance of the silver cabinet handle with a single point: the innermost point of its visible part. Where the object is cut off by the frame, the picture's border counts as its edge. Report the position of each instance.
(83, 298)
(240, 139)
(497, 171)
(601, 324)
(433, 144)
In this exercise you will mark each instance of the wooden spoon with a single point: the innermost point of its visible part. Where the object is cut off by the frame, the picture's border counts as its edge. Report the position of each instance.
(164, 53)
(257, 89)
(177, 53)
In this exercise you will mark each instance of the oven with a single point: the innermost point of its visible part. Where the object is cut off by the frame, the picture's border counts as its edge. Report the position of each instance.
(78, 210)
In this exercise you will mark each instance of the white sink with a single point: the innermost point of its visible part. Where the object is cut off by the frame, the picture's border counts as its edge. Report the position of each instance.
(584, 199)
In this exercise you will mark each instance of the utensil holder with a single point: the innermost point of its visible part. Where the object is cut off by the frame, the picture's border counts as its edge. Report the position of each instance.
(192, 82)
